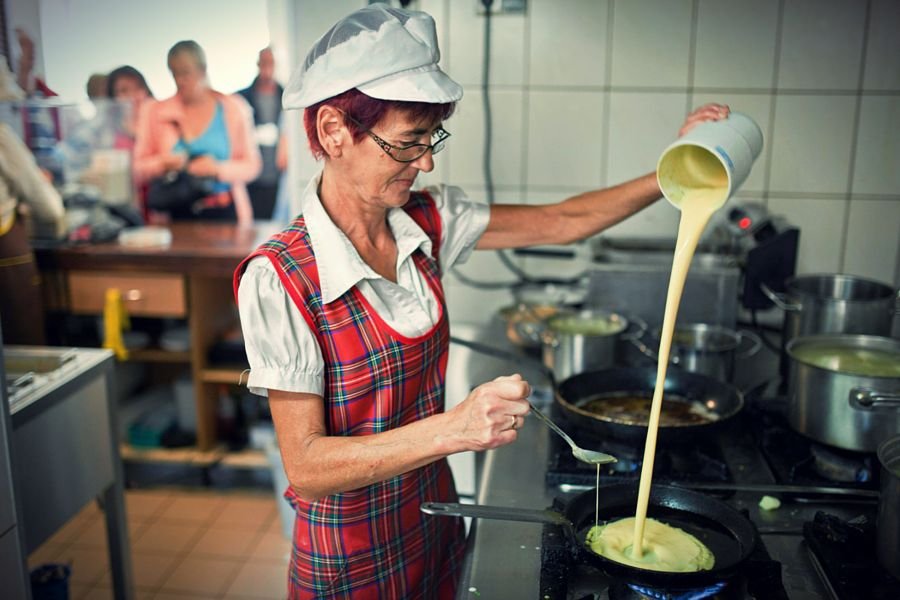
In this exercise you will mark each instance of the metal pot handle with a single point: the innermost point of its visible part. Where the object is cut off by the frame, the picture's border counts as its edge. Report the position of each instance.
(639, 329)
(755, 343)
(868, 399)
(780, 300)
(650, 352)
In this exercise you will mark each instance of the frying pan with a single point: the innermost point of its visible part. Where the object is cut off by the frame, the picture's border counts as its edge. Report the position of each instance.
(573, 394)
(720, 398)
(729, 535)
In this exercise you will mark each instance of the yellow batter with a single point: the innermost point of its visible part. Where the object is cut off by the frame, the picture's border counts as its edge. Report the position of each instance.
(666, 548)
(704, 191)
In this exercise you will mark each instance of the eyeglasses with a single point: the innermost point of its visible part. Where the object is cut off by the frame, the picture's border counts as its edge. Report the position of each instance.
(412, 152)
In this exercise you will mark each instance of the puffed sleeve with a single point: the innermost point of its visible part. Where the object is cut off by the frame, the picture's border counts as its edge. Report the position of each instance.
(463, 222)
(283, 352)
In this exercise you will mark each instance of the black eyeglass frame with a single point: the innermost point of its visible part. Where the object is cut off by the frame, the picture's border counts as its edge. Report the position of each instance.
(388, 147)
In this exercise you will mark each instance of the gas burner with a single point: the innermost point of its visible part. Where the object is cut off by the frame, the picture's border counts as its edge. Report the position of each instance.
(835, 465)
(795, 459)
(843, 552)
(630, 591)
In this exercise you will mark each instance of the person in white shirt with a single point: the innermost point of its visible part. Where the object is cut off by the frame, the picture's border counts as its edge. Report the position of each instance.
(344, 316)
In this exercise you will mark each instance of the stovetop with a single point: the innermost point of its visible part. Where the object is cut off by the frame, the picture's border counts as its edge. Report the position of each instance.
(826, 490)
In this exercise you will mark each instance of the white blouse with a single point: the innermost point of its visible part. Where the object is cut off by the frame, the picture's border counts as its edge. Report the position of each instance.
(283, 352)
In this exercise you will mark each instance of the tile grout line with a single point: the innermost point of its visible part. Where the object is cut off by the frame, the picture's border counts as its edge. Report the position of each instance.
(857, 117)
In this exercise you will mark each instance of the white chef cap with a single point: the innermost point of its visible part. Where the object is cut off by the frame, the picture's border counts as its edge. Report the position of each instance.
(384, 52)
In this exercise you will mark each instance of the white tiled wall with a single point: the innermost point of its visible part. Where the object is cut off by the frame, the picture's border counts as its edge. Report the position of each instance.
(589, 92)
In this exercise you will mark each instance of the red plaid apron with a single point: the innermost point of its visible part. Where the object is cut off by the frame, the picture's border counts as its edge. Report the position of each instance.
(372, 542)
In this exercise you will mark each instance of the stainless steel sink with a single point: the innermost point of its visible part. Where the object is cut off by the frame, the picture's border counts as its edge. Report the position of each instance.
(23, 360)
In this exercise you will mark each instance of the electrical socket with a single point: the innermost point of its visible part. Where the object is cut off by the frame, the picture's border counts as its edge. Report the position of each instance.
(507, 7)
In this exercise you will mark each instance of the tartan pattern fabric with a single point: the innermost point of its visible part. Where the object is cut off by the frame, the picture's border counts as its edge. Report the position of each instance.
(372, 542)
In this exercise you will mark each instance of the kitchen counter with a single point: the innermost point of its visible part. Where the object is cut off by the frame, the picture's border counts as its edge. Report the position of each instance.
(189, 280)
(209, 249)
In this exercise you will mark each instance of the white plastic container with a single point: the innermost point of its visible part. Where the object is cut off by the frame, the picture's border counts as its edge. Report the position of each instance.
(708, 155)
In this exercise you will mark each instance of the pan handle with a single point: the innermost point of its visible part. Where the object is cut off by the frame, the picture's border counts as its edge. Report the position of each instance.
(780, 300)
(503, 354)
(501, 513)
(755, 343)
(868, 399)
(636, 332)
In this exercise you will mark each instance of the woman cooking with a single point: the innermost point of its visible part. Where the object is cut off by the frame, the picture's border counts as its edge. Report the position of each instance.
(345, 321)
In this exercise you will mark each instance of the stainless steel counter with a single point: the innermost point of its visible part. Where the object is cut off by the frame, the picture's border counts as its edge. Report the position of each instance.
(503, 559)
(64, 448)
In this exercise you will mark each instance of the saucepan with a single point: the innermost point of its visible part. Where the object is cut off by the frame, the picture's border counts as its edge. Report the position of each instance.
(535, 302)
(614, 402)
(704, 348)
(845, 389)
(588, 339)
(729, 535)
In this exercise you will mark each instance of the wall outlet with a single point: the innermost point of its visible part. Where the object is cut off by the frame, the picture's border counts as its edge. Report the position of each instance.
(508, 7)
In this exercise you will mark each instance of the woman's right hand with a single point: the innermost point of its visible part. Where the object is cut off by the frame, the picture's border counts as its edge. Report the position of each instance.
(491, 413)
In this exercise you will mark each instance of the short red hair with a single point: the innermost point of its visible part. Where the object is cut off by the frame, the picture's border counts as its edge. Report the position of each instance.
(368, 111)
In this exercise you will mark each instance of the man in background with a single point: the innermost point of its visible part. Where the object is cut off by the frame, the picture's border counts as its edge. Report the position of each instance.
(264, 95)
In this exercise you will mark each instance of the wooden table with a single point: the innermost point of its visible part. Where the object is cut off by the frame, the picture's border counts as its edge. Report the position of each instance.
(190, 279)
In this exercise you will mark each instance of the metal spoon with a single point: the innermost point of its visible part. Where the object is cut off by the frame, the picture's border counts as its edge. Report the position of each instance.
(592, 457)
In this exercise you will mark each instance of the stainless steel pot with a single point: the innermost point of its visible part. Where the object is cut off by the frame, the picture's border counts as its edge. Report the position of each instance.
(818, 304)
(888, 525)
(840, 408)
(585, 340)
(705, 349)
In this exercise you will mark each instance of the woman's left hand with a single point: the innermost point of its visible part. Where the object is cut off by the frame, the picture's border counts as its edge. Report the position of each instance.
(707, 112)
(203, 166)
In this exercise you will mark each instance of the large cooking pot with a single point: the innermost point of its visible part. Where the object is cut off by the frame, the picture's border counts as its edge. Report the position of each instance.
(888, 527)
(845, 389)
(705, 349)
(818, 304)
(729, 535)
(582, 340)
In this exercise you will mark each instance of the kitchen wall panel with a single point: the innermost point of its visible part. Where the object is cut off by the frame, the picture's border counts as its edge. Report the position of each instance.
(735, 45)
(466, 147)
(822, 222)
(821, 77)
(568, 45)
(821, 44)
(877, 162)
(651, 43)
(812, 143)
(565, 134)
(882, 68)
(872, 224)
(466, 52)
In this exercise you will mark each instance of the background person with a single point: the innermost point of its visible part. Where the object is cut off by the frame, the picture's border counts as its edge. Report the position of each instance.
(345, 321)
(203, 131)
(264, 96)
(25, 193)
(96, 86)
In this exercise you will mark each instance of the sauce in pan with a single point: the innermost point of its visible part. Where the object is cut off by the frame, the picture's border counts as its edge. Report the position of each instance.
(634, 409)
